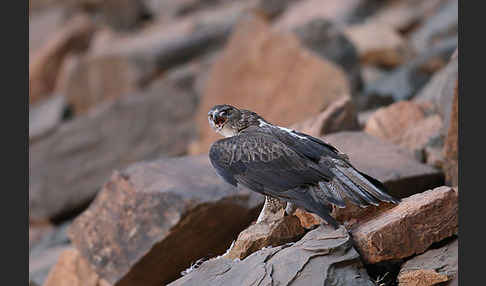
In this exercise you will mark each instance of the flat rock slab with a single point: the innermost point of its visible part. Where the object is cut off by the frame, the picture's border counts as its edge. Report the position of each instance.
(154, 219)
(323, 256)
(392, 165)
(68, 167)
(431, 267)
(409, 228)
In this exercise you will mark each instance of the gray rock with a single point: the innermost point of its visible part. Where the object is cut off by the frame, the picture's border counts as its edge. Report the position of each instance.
(68, 167)
(435, 265)
(441, 25)
(325, 39)
(404, 82)
(440, 91)
(45, 116)
(322, 257)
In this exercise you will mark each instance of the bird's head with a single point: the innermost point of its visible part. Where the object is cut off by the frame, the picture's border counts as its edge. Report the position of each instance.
(224, 119)
(228, 120)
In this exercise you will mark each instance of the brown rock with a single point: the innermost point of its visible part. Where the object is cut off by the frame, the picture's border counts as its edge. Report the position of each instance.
(431, 267)
(391, 122)
(409, 228)
(406, 124)
(97, 79)
(271, 74)
(416, 138)
(45, 64)
(339, 116)
(40, 265)
(451, 144)
(422, 277)
(259, 235)
(71, 269)
(322, 257)
(68, 167)
(162, 214)
(377, 44)
(45, 250)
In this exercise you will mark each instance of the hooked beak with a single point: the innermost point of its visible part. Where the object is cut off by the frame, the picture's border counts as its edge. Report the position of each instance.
(212, 121)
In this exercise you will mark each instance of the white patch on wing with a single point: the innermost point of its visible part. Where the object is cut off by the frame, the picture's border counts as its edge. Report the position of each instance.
(290, 131)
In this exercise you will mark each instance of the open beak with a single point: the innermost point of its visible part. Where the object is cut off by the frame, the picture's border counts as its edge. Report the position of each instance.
(213, 121)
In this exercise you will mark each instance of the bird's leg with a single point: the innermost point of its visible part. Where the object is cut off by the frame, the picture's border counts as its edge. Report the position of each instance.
(290, 208)
(272, 209)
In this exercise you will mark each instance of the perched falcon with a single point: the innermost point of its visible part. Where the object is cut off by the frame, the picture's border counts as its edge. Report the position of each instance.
(281, 163)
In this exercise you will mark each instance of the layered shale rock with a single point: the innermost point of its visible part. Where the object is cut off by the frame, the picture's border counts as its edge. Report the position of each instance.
(323, 256)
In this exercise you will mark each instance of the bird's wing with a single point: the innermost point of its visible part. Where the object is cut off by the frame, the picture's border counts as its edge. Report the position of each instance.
(313, 148)
(346, 181)
(263, 163)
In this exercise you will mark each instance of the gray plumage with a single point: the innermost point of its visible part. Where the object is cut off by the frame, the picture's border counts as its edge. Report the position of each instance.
(289, 165)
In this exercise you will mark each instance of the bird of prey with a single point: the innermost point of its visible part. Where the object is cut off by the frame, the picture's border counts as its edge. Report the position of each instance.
(281, 163)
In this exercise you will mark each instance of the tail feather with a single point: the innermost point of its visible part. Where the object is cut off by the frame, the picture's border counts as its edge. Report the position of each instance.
(372, 185)
(360, 188)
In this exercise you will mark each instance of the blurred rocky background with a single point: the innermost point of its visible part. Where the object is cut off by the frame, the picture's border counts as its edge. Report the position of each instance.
(121, 191)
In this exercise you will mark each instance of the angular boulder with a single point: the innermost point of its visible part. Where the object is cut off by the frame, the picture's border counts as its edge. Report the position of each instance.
(154, 219)
(324, 256)
(410, 227)
(391, 122)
